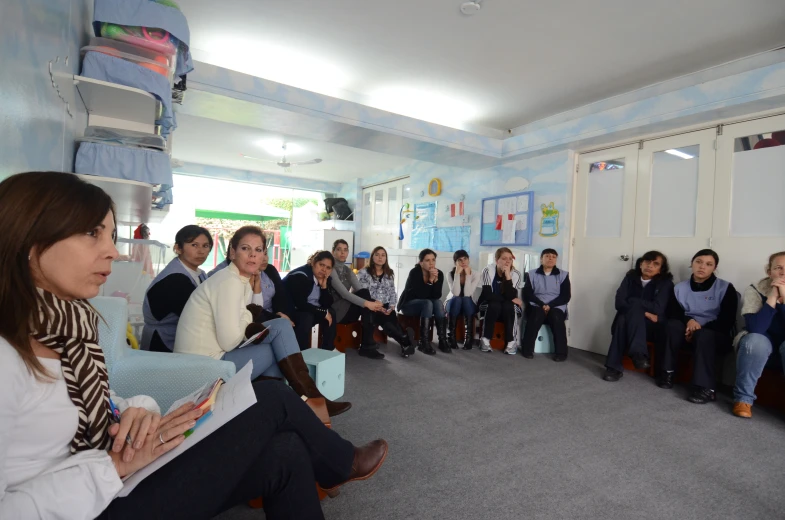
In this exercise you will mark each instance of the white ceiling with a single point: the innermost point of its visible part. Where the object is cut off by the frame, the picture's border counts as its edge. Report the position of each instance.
(206, 141)
(514, 62)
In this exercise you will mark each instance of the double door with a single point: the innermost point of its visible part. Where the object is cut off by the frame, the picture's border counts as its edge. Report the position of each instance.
(676, 195)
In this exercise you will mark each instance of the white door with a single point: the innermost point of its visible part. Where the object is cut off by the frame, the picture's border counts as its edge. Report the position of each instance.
(381, 210)
(675, 198)
(602, 251)
(749, 210)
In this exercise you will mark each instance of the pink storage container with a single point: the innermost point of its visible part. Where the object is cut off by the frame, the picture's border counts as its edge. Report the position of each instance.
(154, 61)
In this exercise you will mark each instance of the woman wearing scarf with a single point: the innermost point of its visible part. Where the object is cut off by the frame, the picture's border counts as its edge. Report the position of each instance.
(62, 457)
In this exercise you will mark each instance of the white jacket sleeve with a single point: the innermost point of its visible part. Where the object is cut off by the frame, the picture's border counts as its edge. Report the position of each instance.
(230, 315)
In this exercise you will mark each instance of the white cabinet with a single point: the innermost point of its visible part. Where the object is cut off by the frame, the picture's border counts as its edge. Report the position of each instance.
(312, 241)
(381, 209)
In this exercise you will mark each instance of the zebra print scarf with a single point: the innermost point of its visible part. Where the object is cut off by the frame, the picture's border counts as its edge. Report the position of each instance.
(70, 328)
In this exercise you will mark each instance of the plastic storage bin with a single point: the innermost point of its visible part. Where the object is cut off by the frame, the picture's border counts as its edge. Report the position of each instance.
(151, 60)
(327, 369)
(151, 38)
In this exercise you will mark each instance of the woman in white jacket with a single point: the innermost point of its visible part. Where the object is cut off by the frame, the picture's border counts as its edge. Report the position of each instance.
(461, 300)
(62, 453)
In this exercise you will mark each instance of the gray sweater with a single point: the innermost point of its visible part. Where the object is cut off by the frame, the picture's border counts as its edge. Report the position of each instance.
(344, 280)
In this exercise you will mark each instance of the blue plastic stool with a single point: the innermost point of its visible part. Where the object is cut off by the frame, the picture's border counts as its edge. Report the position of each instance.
(327, 369)
(544, 342)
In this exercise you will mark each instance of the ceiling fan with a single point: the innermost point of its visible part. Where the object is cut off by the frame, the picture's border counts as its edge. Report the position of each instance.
(283, 163)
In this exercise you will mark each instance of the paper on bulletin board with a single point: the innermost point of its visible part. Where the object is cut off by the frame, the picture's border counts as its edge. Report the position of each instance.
(489, 212)
(508, 231)
(523, 204)
(521, 222)
(507, 206)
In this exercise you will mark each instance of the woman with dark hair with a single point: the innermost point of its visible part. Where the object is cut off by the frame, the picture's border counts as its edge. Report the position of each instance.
(309, 291)
(351, 300)
(460, 301)
(62, 457)
(379, 279)
(226, 311)
(421, 297)
(499, 296)
(546, 291)
(166, 297)
(701, 316)
(641, 301)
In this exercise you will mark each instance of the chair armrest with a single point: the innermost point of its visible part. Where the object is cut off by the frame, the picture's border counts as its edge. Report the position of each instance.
(165, 377)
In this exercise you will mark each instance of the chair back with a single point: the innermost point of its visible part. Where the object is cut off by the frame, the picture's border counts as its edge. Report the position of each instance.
(112, 327)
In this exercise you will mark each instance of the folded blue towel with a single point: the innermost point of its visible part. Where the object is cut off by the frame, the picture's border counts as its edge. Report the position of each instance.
(122, 162)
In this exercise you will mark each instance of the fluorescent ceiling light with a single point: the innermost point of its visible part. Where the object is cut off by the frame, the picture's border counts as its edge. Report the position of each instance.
(434, 107)
(677, 153)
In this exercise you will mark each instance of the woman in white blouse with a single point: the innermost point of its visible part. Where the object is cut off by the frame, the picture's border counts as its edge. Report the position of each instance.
(224, 312)
(461, 301)
(63, 456)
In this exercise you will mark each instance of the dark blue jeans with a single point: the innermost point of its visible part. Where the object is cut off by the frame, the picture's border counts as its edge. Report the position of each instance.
(461, 305)
(423, 308)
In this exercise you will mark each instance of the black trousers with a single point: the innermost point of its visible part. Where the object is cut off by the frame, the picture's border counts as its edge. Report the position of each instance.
(356, 312)
(499, 311)
(304, 322)
(535, 318)
(631, 330)
(277, 449)
(706, 344)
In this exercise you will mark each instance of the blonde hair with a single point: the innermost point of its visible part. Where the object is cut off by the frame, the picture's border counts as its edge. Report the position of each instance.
(501, 251)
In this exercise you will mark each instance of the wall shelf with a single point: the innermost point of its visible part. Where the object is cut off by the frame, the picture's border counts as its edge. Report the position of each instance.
(115, 101)
(133, 199)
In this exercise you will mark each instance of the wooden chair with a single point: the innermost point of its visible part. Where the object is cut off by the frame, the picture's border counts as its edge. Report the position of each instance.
(497, 341)
(770, 390)
(627, 362)
(414, 323)
(347, 335)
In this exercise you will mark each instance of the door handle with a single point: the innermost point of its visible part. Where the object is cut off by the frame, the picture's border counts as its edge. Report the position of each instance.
(625, 258)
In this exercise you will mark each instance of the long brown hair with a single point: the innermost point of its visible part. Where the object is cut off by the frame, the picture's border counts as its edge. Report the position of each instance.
(386, 269)
(37, 210)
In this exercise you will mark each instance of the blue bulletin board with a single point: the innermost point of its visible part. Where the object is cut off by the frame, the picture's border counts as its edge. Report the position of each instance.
(507, 220)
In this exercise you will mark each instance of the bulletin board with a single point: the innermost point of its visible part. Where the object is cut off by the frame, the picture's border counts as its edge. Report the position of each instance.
(507, 220)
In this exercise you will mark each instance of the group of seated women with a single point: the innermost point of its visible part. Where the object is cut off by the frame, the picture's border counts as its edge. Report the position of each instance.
(64, 450)
(698, 314)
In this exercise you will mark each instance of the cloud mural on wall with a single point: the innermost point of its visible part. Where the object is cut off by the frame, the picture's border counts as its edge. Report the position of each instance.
(516, 184)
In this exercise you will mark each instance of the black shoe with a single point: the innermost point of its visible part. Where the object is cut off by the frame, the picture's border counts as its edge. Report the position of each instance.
(665, 380)
(425, 340)
(560, 357)
(468, 339)
(612, 375)
(407, 345)
(451, 326)
(701, 395)
(441, 333)
(371, 353)
(640, 362)
(528, 355)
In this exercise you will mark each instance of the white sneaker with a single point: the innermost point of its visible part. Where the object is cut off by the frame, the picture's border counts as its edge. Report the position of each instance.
(485, 345)
(511, 348)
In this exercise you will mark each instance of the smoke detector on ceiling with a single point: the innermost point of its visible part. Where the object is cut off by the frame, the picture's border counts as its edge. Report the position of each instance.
(470, 8)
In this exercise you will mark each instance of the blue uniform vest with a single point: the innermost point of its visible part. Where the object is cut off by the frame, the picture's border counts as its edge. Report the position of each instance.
(703, 306)
(166, 327)
(547, 288)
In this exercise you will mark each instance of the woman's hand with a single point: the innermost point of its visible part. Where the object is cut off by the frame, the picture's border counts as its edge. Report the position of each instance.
(329, 318)
(651, 317)
(282, 315)
(778, 290)
(506, 272)
(137, 423)
(518, 302)
(458, 270)
(256, 283)
(373, 306)
(322, 282)
(692, 326)
(171, 429)
(434, 274)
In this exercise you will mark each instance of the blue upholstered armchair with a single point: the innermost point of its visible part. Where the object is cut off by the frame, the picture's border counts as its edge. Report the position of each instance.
(164, 377)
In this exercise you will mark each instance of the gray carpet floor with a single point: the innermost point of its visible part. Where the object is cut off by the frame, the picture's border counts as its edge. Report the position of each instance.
(488, 436)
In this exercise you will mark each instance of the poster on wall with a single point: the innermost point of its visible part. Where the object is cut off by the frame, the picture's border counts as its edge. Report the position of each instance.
(424, 215)
(507, 220)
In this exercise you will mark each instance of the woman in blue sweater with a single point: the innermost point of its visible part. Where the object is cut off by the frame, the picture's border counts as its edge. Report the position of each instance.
(641, 300)
(763, 308)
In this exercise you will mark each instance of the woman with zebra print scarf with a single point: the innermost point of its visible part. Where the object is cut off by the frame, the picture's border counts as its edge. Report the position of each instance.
(61, 456)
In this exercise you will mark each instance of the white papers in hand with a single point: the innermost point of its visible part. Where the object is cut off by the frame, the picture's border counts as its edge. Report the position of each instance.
(251, 339)
(234, 397)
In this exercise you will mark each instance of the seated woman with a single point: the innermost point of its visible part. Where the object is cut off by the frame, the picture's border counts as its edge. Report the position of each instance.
(641, 301)
(763, 308)
(351, 300)
(167, 295)
(379, 279)
(226, 311)
(62, 457)
(546, 291)
(500, 285)
(462, 282)
(309, 291)
(701, 316)
(421, 296)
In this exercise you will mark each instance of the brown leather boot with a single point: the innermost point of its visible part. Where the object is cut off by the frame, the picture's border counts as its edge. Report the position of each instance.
(367, 461)
(742, 410)
(296, 373)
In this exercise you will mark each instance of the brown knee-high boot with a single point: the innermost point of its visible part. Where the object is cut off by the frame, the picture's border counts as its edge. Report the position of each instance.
(296, 373)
